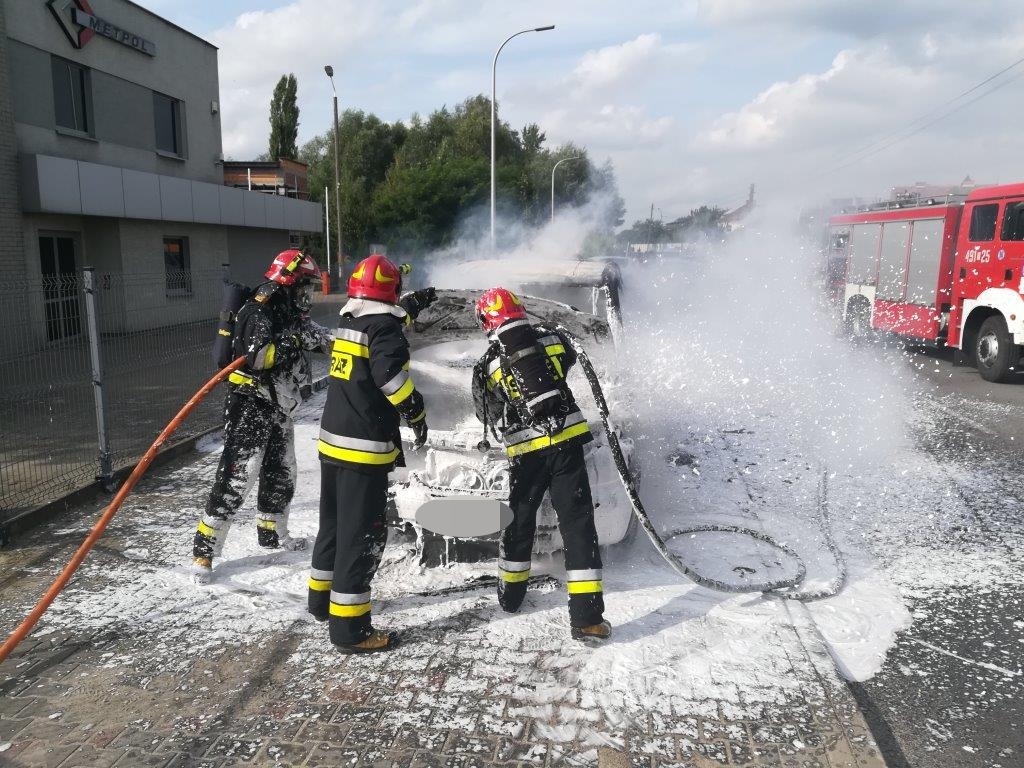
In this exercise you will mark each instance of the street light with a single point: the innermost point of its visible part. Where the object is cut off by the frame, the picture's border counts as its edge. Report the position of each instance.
(337, 180)
(563, 160)
(494, 70)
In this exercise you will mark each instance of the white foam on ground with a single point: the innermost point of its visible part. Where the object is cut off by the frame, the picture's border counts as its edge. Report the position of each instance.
(712, 370)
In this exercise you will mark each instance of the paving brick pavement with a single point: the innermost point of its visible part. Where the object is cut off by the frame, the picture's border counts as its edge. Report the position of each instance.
(137, 667)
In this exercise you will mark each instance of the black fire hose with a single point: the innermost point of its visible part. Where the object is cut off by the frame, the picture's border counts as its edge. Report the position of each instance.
(778, 587)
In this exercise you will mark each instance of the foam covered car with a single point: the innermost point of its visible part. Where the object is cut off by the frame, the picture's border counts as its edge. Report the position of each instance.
(446, 342)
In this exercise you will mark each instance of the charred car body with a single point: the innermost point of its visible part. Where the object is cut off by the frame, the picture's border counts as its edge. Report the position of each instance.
(446, 342)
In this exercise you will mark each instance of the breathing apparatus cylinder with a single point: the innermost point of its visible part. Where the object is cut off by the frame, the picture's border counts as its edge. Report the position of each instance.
(233, 296)
(537, 397)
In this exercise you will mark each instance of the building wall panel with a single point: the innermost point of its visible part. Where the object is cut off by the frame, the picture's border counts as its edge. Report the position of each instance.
(141, 194)
(206, 203)
(102, 190)
(275, 211)
(255, 209)
(59, 190)
(232, 206)
(175, 199)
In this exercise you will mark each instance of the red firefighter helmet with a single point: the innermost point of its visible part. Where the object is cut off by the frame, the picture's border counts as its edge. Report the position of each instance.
(291, 266)
(375, 277)
(496, 306)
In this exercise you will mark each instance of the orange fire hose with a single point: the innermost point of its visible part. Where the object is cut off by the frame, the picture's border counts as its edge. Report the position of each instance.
(29, 622)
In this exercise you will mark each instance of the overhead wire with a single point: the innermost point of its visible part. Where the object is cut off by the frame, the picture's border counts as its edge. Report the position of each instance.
(902, 135)
(931, 112)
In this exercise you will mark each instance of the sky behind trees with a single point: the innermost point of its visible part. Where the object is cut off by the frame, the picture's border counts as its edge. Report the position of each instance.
(692, 101)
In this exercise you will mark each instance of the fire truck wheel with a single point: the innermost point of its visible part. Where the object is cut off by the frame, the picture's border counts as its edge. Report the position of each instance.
(858, 320)
(994, 351)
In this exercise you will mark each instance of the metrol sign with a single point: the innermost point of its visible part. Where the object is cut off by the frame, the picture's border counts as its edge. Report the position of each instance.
(80, 24)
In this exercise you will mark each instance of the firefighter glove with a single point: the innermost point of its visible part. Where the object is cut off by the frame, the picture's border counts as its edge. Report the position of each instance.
(288, 349)
(415, 302)
(419, 429)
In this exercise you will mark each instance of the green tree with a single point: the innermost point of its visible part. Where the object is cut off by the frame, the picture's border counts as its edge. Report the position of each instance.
(533, 139)
(284, 119)
(420, 184)
(705, 220)
(367, 150)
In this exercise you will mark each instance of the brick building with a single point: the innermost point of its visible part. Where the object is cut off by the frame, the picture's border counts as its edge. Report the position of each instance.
(110, 157)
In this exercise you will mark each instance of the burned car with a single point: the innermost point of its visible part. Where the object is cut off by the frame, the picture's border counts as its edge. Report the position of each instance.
(446, 343)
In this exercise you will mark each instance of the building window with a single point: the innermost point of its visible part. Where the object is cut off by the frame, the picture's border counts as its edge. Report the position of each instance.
(177, 266)
(71, 102)
(983, 223)
(167, 118)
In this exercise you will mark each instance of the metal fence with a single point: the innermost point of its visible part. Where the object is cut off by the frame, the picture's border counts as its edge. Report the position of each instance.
(93, 365)
(143, 338)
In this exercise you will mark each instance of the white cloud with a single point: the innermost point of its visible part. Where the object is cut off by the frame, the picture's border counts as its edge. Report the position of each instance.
(616, 64)
(772, 115)
(691, 101)
(862, 18)
(606, 127)
(595, 103)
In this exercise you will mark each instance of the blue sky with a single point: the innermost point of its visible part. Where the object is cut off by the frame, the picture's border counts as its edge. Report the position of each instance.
(692, 101)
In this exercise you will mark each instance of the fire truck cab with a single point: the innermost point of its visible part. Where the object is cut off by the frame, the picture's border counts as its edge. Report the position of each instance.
(947, 273)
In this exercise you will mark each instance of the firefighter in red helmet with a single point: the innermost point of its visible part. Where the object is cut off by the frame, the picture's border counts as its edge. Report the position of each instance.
(520, 390)
(370, 392)
(272, 330)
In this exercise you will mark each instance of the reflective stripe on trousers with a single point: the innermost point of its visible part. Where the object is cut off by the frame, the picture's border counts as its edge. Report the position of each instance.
(348, 605)
(514, 572)
(320, 580)
(583, 582)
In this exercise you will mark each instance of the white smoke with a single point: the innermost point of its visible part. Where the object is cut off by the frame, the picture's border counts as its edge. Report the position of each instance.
(525, 253)
(739, 335)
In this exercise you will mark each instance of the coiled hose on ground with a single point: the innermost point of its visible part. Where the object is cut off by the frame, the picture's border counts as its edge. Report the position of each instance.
(785, 588)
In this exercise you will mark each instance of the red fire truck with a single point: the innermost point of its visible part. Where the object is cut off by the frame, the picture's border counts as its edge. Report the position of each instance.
(944, 272)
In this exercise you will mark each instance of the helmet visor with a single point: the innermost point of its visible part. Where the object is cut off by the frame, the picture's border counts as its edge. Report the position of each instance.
(303, 296)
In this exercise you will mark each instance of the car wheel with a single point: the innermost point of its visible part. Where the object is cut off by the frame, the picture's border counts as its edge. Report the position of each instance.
(995, 354)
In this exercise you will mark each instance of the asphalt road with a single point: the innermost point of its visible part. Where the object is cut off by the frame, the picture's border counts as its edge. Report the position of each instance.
(959, 385)
(951, 692)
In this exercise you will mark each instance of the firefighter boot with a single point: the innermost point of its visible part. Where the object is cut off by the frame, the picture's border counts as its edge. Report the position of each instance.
(377, 641)
(595, 632)
(201, 569)
(511, 595)
(272, 533)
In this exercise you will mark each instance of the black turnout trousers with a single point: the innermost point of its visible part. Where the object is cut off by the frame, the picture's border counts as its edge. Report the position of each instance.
(349, 545)
(562, 472)
(258, 438)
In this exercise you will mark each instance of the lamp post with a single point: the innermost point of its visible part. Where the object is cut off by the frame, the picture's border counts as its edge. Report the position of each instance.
(337, 177)
(494, 70)
(563, 160)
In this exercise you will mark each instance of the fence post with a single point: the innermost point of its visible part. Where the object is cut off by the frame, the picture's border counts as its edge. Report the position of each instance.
(106, 475)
